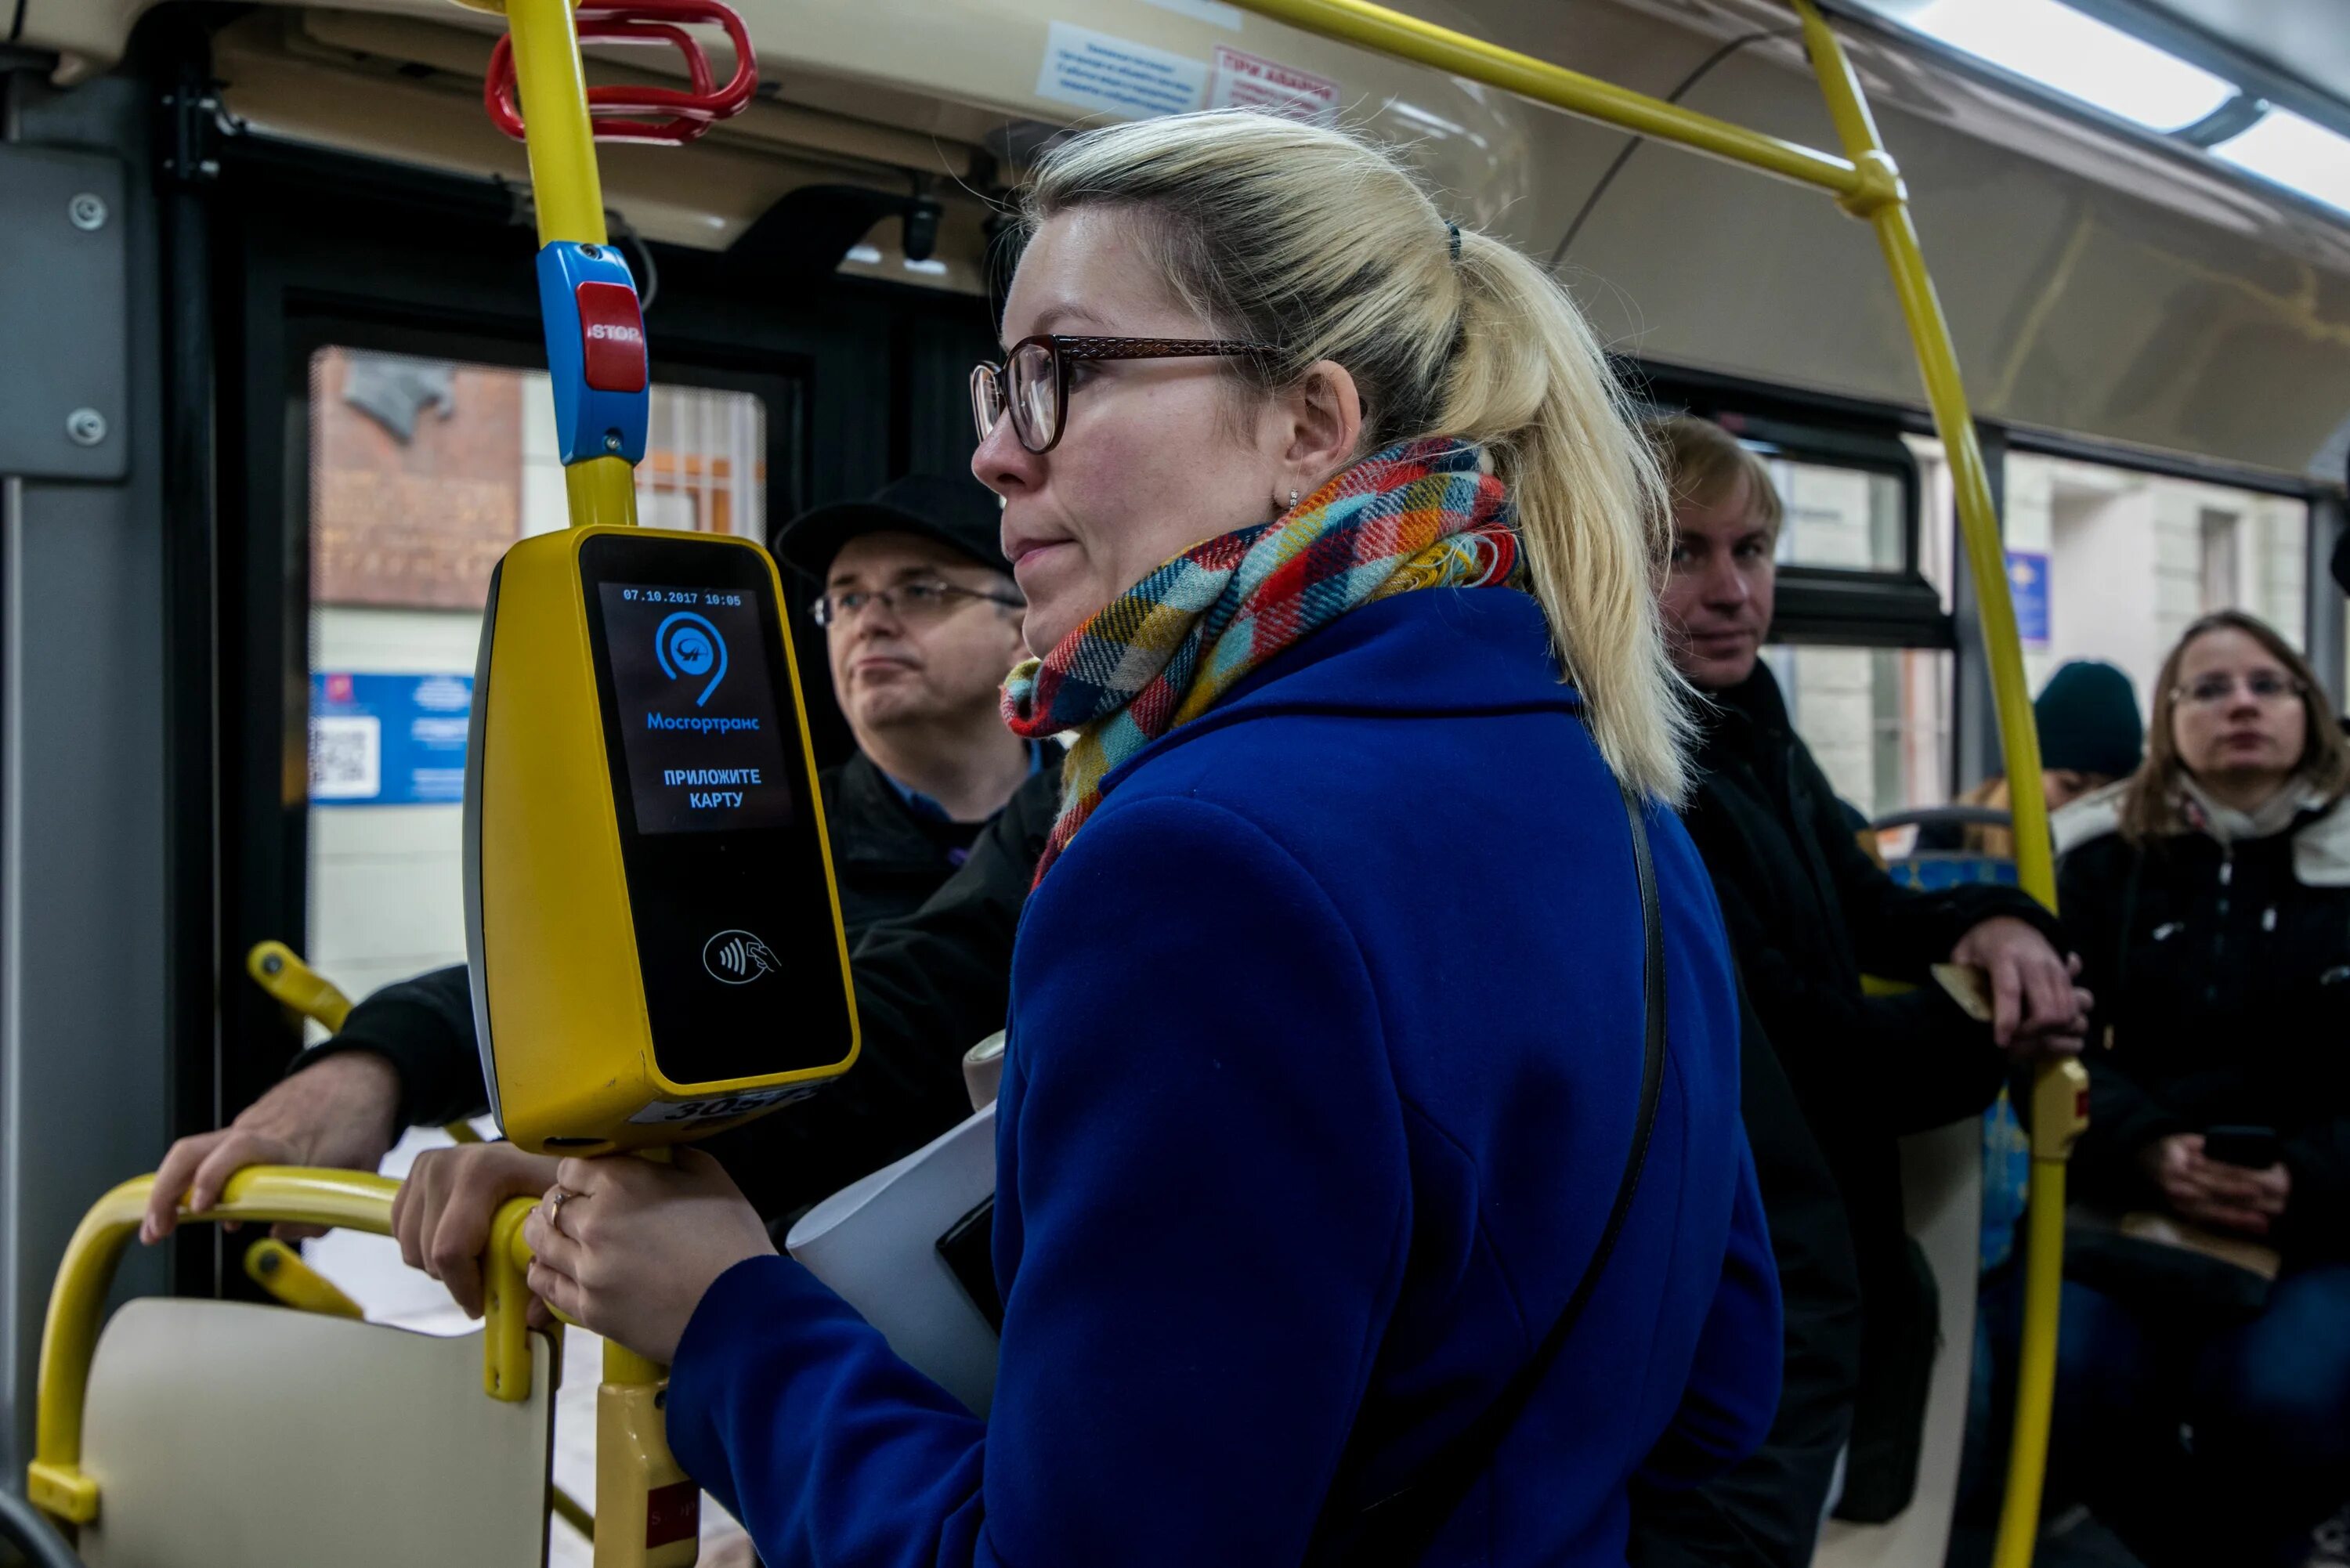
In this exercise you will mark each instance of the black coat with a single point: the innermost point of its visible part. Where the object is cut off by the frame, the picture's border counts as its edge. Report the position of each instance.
(1765, 1511)
(1808, 914)
(930, 953)
(2224, 974)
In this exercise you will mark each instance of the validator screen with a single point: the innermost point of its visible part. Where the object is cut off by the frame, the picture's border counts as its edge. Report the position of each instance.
(699, 726)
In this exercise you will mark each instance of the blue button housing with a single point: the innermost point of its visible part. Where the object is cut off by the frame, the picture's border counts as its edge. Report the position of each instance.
(587, 423)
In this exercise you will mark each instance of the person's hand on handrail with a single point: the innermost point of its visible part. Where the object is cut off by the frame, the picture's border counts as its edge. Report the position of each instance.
(443, 1214)
(338, 1113)
(626, 1248)
(2036, 1007)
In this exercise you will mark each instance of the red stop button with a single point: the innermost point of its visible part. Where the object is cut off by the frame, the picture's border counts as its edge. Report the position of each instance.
(611, 337)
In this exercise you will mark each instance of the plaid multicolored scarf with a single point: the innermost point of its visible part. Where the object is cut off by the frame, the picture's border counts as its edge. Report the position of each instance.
(1418, 514)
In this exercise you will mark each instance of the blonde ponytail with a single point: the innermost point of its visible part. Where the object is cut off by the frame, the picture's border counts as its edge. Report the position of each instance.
(1293, 234)
(1530, 385)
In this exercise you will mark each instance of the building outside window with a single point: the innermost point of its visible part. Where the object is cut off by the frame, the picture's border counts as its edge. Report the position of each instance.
(1877, 719)
(2133, 558)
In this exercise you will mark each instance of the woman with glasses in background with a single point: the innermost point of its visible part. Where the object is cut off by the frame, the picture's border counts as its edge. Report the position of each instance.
(2210, 897)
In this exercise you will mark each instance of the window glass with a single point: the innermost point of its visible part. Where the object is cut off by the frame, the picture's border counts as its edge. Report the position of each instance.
(1848, 518)
(1878, 719)
(422, 471)
(2113, 563)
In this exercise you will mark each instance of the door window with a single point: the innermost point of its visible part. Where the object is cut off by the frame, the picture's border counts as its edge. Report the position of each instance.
(422, 471)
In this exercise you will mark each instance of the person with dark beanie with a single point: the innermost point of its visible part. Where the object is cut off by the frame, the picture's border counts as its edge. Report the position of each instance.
(2090, 737)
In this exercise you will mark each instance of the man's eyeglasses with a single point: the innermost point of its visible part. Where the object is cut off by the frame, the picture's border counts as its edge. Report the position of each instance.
(1032, 385)
(2264, 685)
(924, 599)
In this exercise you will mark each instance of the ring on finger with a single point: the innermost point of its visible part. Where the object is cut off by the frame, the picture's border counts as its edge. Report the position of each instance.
(554, 1206)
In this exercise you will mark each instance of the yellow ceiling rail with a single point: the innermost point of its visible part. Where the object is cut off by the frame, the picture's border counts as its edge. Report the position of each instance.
(1407, 37)
(1867, 184)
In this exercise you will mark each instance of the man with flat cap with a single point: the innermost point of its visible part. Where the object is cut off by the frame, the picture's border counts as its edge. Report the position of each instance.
(936, 824)
(922, 622)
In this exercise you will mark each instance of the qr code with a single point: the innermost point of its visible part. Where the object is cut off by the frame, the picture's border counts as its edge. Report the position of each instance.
(345, 757)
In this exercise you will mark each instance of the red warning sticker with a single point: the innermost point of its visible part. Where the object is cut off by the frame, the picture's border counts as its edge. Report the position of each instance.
(672, 1513)
(1243, 81)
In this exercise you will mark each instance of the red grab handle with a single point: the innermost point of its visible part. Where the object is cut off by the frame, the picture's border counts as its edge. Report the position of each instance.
(663, 115)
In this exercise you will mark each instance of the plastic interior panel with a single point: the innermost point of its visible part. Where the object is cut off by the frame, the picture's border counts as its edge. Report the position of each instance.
(227, 1435)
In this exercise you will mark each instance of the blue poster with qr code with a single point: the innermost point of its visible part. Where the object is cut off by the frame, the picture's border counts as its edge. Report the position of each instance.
(388, 739)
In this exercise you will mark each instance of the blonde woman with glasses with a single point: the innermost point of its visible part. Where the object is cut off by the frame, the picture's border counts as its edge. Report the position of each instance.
(2209, 895)
(1371, 1185)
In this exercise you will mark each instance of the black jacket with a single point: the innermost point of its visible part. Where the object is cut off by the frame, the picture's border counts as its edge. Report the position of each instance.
(1808, 913)
(1765, 1511)
(2223, 973)
(930, 953)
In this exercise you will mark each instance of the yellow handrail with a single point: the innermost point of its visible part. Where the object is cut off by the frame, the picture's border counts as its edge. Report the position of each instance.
(1866, 184)
(270, 1193)
(279, 970)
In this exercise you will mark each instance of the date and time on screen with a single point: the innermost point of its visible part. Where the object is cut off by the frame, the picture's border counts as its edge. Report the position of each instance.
(677, 597)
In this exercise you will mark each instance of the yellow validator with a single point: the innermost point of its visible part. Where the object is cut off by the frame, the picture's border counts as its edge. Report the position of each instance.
(651, 921)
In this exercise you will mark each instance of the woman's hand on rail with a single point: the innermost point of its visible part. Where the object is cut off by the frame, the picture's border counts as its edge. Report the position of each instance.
(442, 1213)
(2035, 1005)
(636, 1244)
(336, 1113)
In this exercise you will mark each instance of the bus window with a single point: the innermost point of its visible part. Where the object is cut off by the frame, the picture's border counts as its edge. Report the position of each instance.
(421, 473)
(2111, 563)
(1851, 519)
(1878, 719)
(1864, 658)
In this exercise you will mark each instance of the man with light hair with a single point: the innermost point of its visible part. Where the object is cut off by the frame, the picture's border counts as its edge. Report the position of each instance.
(1808, 912)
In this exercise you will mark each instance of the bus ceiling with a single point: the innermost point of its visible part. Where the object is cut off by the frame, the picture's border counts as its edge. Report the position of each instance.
(2140, 293)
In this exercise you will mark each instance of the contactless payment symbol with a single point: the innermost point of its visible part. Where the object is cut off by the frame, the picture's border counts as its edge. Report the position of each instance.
(737, 958)
(689, 648)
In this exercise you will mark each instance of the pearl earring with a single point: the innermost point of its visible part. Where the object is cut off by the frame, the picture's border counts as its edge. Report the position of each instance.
(1293, 501)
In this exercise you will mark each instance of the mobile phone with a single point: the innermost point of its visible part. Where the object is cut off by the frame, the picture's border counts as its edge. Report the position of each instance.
(2253, 1148)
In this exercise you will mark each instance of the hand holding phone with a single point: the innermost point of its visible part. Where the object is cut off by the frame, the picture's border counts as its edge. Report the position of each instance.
(2210, 1178)
(2247, 1147)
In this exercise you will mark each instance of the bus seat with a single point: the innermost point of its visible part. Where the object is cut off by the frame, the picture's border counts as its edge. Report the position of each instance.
(229, 1435)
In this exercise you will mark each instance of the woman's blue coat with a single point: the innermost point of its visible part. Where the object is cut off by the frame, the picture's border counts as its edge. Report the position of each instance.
(1325, 1052)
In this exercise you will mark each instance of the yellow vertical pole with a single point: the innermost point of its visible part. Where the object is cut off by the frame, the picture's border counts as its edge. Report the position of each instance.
(638, 1486)
(553, 87)
(569, 196)
(2060, 1090)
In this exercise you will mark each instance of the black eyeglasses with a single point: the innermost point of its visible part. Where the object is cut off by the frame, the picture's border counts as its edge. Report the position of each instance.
(1033, 383)
(921, 600)
(2260, 685)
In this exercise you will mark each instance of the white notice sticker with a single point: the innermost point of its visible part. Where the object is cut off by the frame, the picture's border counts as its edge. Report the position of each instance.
(1217, 11)
(1251, 81)
(1094, 71)
(661, 1112)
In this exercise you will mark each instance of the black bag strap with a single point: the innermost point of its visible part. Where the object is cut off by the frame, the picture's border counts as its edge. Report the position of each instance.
(1398, 1528)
